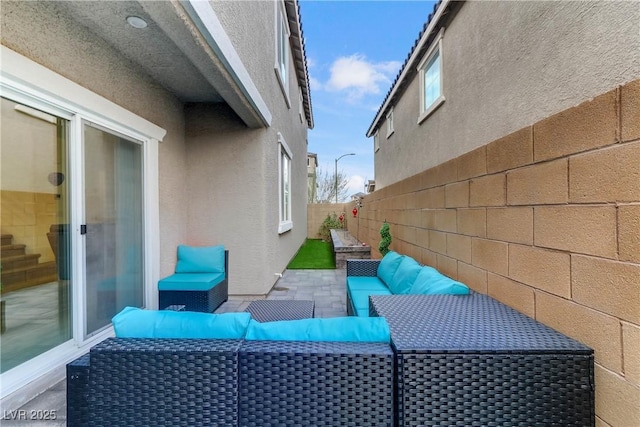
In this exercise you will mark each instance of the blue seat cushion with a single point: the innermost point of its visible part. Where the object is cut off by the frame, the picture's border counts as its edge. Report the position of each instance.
(405, 276)
(431, 282)
(344, 329)
(365, 282)
(134, 322)
(190, 281)
(200, 259)
(360, 299)
(388, 266)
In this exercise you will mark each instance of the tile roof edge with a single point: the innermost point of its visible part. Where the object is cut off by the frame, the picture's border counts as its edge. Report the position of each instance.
(430, 27)
(292, 8)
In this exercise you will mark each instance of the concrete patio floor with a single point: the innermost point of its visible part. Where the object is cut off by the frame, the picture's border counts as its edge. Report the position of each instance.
(325, 287)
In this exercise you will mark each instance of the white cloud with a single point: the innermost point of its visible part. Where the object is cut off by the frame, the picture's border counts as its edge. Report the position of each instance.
(311, 62)
(359, 77)
(355, 185)
(315, 84)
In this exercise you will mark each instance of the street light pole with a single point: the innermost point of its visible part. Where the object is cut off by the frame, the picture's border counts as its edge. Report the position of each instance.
(336, 175)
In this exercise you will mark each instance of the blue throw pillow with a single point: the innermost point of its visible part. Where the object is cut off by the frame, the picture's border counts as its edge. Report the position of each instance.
(344, 329)
(405, 276)
(200, 259)
(388, 266)
(134, 322)
(431, 282)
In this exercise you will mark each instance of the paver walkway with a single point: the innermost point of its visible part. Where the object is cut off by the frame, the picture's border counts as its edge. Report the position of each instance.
(325, 287)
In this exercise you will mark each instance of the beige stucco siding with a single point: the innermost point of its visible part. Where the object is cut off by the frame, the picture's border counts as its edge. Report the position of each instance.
(249, 205)
(43, 34)
(506, 66)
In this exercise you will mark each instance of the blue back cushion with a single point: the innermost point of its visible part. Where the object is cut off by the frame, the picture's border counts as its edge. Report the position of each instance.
(388, 266)
(346, 329)
(134, 322)
(431, 282)
(405, 276)
(200, 259)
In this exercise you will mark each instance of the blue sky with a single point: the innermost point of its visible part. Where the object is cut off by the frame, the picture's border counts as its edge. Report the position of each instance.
(354, 52)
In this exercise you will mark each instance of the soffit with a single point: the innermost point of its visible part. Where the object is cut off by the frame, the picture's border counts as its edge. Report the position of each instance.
(151, 48)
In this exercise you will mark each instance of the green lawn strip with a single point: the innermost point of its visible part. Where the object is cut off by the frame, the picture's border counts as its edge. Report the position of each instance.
(313, 254)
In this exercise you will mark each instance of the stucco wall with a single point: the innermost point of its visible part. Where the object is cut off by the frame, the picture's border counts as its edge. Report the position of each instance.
(506, 66)
(547, 220)
(39, 31)
(245, 198)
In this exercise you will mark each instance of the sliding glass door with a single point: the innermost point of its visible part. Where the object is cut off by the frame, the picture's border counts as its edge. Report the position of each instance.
(35, 313)
(113, 194)
(72, 242)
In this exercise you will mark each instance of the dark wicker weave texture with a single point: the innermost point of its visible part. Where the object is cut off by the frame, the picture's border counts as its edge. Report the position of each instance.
(205, 301)
(316, 384)
(471, 360)
(162, 382)
(362, 267)
(274, 310)
(78, 392)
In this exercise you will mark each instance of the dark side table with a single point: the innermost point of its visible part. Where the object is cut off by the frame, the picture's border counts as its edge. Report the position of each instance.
(274, 310)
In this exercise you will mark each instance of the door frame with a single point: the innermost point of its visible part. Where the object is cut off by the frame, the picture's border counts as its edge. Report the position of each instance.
(27, 82)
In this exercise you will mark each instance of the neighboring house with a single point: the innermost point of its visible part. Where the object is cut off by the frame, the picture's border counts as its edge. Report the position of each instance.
(371, 185)
(507, 155)
(312, 176)
(129, 128)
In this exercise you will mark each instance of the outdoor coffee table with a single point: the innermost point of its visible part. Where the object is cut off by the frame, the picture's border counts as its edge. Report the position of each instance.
(471, 360)
(274, 310)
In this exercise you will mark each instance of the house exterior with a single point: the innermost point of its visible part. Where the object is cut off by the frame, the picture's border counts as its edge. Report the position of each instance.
(507, 155)
(129, 128)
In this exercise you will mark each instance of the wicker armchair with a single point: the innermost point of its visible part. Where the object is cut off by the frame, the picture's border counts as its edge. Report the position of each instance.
(206, 300)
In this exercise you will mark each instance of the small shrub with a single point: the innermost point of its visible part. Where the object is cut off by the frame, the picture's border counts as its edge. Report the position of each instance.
(331, 221)
(385, 242)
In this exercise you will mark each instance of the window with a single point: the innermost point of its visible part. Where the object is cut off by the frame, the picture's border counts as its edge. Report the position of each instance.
(390, 122)
(430, 72)
(376, 142)
(284, 184)
(301, 105)
(282, 51)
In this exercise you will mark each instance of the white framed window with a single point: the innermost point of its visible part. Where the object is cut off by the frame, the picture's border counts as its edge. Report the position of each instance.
(301, 105)
(431, 77)
(376, 142)
(390, 123)
(282, 51)
(284, 185)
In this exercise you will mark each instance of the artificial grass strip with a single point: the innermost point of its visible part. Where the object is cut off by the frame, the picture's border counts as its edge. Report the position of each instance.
(313, 254)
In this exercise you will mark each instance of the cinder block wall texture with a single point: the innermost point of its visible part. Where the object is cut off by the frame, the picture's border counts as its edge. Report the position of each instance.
(318, 212)
(546, 220)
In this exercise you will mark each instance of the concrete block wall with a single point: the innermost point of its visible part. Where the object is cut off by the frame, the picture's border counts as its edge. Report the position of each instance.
(546, 220)
(317, 212)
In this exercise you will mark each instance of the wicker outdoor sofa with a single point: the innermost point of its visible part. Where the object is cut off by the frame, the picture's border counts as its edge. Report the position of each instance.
(469, 360)
(208, 382)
